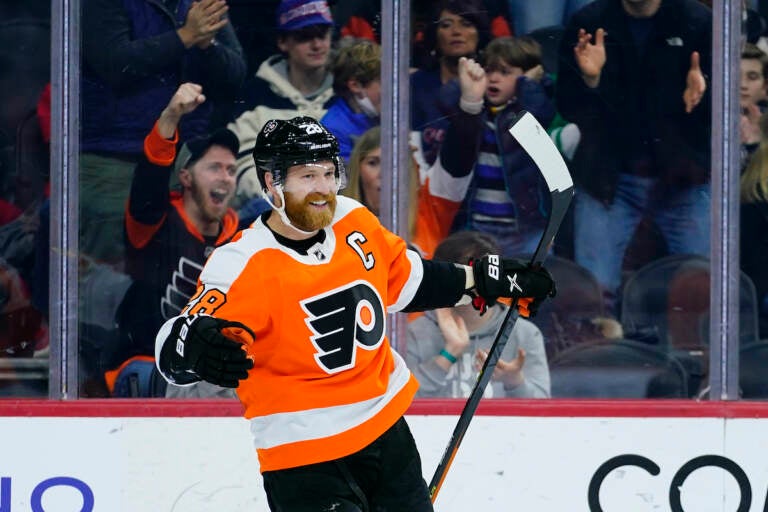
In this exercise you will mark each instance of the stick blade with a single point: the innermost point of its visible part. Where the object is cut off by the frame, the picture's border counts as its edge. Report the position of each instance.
(536, 142)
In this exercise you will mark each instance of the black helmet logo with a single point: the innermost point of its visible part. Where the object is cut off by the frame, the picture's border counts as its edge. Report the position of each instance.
(269, 127)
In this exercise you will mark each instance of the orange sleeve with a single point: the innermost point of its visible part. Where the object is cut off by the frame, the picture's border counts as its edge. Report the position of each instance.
(139, 235)
(433, 220)
(158, 149)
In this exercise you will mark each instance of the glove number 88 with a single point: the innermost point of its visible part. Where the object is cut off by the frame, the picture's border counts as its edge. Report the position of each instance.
(493, 266)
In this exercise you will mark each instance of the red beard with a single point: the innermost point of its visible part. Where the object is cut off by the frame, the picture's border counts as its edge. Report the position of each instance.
(307, 217)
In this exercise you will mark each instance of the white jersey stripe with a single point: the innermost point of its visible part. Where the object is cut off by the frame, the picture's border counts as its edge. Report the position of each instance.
(292, 427)
(412, 285)
(445, 186)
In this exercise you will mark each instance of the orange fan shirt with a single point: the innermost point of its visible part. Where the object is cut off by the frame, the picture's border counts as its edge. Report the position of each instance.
(325, 382)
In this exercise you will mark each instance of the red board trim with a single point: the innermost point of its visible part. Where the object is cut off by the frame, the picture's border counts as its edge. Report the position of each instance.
(445, 407)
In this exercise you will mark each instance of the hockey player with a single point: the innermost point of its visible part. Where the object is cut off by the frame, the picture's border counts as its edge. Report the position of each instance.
(292, 313)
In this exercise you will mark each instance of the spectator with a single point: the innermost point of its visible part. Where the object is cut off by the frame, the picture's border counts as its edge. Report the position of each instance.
(753, 97)
(135, 55)
(423, 18)
(635, 85)
(447, 347)
(292, 313)
(459, 28)
(754, 223)
(357, 85)
(295, 82)
(506, 196)
(21, 217)
(445, 186)
(528, 16)
(754, 26)
(364, 176)
(171, 234)
(19, 232)
(431, 206)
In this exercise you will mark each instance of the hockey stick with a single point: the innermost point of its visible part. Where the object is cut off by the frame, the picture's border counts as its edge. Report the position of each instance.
(536, 142)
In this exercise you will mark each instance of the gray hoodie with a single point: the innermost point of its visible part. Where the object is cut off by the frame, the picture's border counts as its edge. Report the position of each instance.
(425, 341)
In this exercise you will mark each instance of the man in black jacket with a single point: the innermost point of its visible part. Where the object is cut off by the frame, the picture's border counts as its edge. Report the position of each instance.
(171, 233)
(633, 78)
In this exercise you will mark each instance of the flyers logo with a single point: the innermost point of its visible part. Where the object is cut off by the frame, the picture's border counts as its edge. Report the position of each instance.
(181, 288)
(342, 320)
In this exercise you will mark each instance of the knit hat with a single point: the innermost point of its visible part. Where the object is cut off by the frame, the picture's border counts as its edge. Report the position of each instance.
(296, 14)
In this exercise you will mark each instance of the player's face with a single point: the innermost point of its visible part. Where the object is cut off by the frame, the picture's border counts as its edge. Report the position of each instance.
(502, 83)
(310, 195)
(212, 182)
(309, 48)
(753, 85)
(456, 36)
(370, 179)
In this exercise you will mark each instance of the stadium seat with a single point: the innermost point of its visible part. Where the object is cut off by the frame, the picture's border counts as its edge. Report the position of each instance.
(566, 319)
(617, 369)
(668, 299)
(753, 379)
(666, 302)
(24, 377)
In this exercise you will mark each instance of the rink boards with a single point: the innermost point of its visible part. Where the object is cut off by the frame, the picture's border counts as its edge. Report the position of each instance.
(114, 456)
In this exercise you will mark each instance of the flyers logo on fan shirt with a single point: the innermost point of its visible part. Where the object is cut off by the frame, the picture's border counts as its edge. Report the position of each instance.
(342, 319)
(180, 288)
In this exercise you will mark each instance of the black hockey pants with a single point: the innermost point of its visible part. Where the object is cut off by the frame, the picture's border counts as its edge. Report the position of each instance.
(385, 476)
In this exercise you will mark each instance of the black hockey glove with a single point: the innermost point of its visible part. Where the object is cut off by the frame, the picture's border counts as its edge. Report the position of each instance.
(506, 277)
(197, 349)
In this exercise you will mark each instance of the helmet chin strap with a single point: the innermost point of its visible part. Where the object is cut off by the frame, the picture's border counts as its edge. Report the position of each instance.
(281, 211)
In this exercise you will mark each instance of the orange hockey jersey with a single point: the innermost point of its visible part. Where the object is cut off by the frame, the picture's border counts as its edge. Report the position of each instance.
(325, 382)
